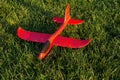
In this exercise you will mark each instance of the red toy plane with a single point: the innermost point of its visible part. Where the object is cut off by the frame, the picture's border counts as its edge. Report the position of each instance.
(54, 39)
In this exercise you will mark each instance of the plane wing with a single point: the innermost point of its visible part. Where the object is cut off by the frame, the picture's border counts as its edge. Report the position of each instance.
(59, 41)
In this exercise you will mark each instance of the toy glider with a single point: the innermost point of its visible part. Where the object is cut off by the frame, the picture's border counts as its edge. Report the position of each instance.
(54, 39)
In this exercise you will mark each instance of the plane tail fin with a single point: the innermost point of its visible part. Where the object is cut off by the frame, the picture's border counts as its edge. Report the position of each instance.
(67, 14)
(67, 18)
(71, 21)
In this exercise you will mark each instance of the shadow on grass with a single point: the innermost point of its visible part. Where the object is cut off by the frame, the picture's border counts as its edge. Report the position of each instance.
(39, 20)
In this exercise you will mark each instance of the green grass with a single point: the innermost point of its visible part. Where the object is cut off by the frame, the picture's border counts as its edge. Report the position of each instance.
(100, 60)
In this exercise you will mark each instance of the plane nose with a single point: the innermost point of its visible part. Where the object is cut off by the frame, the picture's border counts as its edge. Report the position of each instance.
(41, 56)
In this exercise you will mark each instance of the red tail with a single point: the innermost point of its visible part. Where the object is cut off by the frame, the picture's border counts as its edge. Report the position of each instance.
(67, 14)
(71, 21)
(67, 18)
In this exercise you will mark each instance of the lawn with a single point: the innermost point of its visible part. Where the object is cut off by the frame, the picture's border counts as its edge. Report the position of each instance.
(100, 60)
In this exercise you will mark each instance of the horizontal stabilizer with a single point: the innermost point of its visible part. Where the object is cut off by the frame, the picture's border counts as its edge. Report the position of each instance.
(59, 41)
(71, 21)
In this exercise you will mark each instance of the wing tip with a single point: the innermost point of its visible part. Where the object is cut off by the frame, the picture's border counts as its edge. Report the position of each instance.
(19, 30)
(21, 33)
(86, 42)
